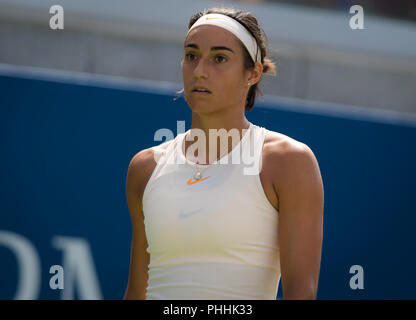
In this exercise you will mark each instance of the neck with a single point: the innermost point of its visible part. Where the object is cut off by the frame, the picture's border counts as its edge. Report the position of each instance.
(214, 151)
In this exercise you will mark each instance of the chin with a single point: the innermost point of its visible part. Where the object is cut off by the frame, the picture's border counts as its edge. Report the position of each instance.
(201, 107)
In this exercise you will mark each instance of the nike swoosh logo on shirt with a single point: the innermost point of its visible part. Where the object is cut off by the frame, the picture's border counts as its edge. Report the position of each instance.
(195, 181)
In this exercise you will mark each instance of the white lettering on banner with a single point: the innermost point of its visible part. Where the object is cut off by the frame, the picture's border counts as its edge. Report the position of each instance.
(199, 145)
(224, 134)
(357, 20)
(169, 135)
(357, 280)
(183, 310)
(251, 166)
(57, 20)
(163, 132)
(79, 268)
(77, 262)
(57, 280)
(180, 126)
(29, 274)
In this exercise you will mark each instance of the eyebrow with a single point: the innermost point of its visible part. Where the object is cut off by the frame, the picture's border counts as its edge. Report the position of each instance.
(195, 46)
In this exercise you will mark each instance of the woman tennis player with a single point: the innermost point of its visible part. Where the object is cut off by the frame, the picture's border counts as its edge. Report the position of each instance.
(204, 225)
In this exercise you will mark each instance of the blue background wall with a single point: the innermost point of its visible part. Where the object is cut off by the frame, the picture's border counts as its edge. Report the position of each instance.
(65, 150)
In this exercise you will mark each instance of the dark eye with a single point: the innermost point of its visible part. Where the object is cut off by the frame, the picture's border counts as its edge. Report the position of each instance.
(189, 56)
(221, 57)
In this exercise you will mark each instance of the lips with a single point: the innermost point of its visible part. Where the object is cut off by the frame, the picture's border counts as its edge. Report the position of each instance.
(201, 93)
(200, 89)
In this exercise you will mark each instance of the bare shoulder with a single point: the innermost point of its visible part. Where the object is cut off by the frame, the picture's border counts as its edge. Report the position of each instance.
(280, 145)
(144, 157)
(142, 165)
(285, 157)
(148, 157)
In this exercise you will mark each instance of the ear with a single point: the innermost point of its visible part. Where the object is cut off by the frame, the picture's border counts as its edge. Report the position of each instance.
(255, 74)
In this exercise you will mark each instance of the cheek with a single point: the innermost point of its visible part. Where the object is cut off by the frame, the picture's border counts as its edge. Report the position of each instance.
(186, 76)
(233, 84)
(186, 68)
(233, 79)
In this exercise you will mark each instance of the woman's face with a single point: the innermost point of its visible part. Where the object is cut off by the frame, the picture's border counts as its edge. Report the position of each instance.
(213, 59)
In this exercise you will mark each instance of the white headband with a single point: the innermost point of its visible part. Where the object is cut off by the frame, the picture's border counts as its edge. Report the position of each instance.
(230, 24)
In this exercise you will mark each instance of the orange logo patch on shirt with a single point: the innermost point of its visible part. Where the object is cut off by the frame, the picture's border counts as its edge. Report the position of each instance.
(195, 181)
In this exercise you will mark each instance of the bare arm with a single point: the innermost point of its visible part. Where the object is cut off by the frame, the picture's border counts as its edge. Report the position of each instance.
(301, 201)
(139, 171)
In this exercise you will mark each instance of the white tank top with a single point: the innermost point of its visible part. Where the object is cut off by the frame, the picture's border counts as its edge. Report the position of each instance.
(216, 238)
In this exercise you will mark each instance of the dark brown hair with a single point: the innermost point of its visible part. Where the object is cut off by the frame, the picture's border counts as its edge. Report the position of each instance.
(253, 27)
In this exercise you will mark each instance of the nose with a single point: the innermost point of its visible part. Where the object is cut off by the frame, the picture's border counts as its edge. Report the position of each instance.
(201, 70)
